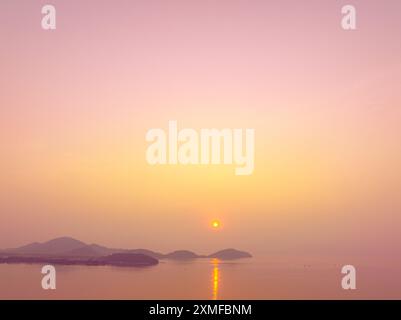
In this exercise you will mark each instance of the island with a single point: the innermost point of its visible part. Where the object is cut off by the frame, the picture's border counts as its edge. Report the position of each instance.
(69, 251)
(116, 259)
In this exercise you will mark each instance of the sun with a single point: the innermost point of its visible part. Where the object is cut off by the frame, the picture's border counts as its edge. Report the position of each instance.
(216, 224)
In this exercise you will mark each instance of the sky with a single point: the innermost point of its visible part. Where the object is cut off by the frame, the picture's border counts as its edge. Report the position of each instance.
(325, 103)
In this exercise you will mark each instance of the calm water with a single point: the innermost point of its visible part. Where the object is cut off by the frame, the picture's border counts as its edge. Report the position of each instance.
(256, 278)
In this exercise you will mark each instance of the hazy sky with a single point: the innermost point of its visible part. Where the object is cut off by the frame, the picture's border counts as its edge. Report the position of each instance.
(76, 102)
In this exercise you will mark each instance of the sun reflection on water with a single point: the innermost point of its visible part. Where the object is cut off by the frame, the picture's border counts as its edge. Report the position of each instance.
(215, 278)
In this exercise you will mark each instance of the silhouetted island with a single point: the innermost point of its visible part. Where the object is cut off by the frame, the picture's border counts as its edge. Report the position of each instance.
(229, 254)
(116, 259)
(182, 255)
(69, 251)
(128, 259)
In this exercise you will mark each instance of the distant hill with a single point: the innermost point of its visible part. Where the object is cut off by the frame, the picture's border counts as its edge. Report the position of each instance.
(147, 252)
(229, 254)
(181, 255)
(91, 250)
(54, 246)
(67, 247)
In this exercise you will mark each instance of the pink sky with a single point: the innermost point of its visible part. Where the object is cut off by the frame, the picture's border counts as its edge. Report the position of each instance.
(75, 105)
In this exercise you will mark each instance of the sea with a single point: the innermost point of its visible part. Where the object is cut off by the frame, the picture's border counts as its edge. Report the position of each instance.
(260, 277)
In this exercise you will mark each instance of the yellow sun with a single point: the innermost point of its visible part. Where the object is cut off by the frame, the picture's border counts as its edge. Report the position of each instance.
(215, 224)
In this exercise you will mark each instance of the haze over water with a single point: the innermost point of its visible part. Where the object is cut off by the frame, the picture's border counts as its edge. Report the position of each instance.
(256, 278)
